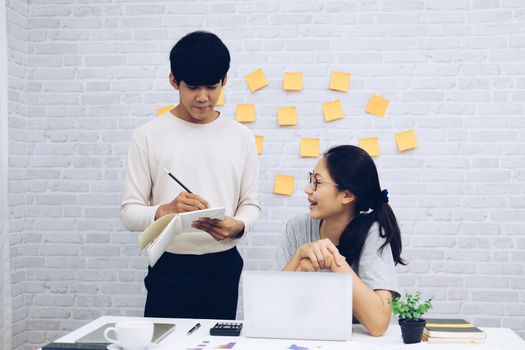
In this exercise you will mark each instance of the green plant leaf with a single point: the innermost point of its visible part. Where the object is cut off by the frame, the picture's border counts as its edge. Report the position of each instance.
(411, 308)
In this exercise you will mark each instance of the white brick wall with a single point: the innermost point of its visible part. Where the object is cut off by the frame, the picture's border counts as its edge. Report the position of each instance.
(84, 74)
(5, 244)
(16, 12)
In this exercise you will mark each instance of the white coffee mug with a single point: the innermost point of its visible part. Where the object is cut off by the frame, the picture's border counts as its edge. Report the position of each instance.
(131, 335)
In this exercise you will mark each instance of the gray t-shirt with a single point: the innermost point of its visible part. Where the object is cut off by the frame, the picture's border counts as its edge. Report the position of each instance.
(376, 268)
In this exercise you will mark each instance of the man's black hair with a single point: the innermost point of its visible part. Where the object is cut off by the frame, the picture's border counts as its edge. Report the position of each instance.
(200, 58)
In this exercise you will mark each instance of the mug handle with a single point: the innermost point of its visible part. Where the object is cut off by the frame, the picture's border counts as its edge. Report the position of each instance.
(106, 334)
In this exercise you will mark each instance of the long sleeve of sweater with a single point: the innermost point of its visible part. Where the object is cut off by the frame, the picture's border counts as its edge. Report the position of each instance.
(217, 161)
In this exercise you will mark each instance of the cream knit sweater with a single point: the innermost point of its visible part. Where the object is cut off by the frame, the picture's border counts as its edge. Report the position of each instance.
(217, 161)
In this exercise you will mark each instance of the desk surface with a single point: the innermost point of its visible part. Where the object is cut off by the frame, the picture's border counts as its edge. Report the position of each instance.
(497, 338)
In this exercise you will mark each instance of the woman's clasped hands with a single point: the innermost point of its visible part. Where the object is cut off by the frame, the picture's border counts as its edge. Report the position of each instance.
(317, 255)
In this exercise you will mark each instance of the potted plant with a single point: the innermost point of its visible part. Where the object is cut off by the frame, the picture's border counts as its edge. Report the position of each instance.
(409, 312)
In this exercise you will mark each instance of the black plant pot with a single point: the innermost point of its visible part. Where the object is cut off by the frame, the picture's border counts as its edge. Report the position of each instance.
(412, 330)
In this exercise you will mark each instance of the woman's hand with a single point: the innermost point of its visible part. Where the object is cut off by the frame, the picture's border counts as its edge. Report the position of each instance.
(322, 254)
(305, 266)
(343, 267)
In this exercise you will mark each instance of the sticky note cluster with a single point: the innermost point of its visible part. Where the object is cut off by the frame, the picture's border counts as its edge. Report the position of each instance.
(287, 116)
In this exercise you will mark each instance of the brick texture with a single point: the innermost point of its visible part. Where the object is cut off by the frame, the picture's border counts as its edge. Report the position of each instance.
(84, 74)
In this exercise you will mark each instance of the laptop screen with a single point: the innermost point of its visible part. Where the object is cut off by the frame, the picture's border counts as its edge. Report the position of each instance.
(297, 305)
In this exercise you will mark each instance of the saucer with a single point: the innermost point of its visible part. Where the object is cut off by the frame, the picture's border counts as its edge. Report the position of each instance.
(115, 346)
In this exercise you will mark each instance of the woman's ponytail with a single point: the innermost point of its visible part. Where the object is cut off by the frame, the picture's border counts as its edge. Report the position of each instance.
(389, 229)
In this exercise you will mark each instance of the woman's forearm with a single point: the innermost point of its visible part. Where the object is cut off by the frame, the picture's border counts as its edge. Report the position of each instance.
(371, 308)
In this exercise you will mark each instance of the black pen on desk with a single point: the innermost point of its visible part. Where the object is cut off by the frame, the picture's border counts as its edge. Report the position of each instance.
(194, 328)
(180, 183)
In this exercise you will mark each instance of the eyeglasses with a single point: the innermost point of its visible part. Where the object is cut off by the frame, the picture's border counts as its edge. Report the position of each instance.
(312, 180)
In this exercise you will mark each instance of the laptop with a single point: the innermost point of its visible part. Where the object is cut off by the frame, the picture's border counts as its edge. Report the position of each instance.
(160, 331)
(297, 305)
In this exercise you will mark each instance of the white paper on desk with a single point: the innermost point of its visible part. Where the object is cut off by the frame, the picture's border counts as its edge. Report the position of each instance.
(161, 232)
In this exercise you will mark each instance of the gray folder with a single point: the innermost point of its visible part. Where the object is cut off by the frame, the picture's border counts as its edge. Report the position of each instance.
(160, 331)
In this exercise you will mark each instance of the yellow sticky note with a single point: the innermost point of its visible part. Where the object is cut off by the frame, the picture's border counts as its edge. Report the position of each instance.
(220, 101)
(370, 145)
(332, 110)
(245, 113)
(340, 81)
(406, 140)
(162, 110)
(287, 116)
(377, 106)
(309, 147)
(259, 140)
(293, 81)
(284, 185)
(256, 80)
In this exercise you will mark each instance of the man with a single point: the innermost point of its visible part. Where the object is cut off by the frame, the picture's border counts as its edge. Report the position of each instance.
(215, 157)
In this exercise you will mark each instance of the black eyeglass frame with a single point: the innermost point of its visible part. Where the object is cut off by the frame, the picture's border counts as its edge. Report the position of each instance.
(312, 181)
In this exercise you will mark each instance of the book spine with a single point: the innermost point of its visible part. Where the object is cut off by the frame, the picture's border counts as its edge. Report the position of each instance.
(158, 247)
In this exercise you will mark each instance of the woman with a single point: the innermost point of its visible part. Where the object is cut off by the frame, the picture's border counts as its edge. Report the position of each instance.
(352, 229)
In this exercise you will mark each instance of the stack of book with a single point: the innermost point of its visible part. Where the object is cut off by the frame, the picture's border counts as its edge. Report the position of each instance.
(441, 330)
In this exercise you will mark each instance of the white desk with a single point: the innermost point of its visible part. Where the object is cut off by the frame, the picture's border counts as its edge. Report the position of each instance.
(497, 338)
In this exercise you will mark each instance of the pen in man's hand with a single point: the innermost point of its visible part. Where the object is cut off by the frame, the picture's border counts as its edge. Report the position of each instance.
(180, 183)
(194, 328)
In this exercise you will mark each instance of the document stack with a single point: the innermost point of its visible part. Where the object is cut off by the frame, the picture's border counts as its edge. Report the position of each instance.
(440, 330)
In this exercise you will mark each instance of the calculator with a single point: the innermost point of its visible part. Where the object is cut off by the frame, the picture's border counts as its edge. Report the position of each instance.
(226, 328)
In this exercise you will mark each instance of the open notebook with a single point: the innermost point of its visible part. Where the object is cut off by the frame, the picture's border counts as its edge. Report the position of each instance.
(157, 236)
(297, 305)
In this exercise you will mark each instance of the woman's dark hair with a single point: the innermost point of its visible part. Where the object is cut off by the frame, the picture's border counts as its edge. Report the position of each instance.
(352, 169)
(200, 58)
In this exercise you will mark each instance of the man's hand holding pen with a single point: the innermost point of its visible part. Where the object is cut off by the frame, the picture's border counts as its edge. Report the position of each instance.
(188, 201)
(184, 202)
